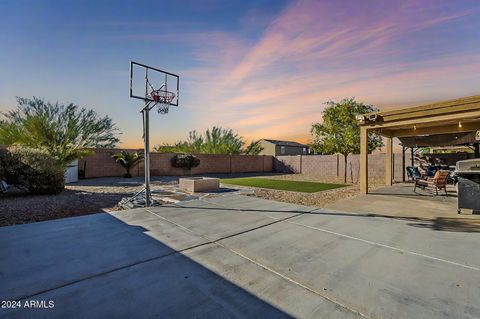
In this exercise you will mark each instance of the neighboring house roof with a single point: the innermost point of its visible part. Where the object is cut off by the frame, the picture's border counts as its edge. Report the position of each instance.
(285, 143)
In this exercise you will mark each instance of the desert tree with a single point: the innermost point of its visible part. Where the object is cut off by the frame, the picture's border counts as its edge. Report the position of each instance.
(339, 133)
(65, 131)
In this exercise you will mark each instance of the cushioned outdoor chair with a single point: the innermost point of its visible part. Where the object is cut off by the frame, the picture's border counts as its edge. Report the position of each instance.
(438, 182)
(413, 173)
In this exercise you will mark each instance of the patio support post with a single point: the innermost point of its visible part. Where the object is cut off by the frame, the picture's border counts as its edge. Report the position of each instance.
(389, 161)
(363, 160)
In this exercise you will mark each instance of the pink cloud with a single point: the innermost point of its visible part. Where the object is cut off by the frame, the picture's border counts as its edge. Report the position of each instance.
(315, 51)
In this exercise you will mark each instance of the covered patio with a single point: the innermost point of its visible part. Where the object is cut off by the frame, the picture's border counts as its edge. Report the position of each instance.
(442, 123)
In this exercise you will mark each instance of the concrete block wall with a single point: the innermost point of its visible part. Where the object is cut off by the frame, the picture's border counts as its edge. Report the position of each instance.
(101, 164)
(331, 167)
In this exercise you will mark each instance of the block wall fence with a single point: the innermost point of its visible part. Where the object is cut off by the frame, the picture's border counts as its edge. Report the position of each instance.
(103, 165)
(331, 167)
(320, 167)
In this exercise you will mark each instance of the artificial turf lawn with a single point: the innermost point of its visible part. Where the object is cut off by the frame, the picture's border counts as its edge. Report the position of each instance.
(295, 186)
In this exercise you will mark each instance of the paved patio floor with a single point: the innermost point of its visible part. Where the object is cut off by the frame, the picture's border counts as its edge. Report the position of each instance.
(238, 256)
(400, 200)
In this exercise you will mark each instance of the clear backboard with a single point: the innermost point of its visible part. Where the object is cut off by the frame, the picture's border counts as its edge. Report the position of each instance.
(153, 85)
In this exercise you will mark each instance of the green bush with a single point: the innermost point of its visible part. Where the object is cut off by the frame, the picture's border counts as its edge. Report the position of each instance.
(32, 170)
(187, 161)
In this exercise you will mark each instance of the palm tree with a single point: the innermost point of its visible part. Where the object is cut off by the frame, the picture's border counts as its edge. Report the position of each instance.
(128, 160)
(222, 141)
(254, 148)
(216, 140)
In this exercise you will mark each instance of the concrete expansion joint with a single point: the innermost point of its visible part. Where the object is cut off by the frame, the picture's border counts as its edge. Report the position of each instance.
(373, 243)
(218, 243)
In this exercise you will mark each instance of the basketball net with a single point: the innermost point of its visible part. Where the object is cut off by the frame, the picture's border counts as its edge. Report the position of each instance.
(161, 98)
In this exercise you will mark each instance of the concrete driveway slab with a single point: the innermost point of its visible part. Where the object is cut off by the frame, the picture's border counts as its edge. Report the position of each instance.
(211, 259)
(42, 256)
(206, 282)
(213, 223)
(402, 233)
(374, 280)
(250, 204)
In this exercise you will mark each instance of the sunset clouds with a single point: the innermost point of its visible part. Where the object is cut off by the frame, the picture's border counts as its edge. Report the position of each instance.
(381, 52)
(263, 68)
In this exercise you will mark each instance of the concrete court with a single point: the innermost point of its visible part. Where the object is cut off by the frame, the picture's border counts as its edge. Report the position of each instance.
(239, 256)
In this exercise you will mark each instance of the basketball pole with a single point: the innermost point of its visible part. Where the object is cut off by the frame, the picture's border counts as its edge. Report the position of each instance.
(163, 99)
(146, 139)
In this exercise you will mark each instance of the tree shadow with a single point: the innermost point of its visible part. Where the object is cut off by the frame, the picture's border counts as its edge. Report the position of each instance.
(466, 225)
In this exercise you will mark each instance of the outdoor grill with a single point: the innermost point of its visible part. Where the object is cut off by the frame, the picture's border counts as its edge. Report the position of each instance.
(468, 186)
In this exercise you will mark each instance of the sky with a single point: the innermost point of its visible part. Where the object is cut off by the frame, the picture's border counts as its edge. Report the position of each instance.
(263, 68)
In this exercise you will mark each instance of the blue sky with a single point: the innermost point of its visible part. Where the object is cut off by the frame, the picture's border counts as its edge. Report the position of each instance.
(263, 68)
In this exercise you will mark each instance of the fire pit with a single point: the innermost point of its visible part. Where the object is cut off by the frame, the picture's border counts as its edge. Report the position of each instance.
(468, 186)
(199, 184)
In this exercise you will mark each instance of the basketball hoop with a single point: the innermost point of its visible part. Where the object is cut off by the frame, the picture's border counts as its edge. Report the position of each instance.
(162, 99)
(152, 89)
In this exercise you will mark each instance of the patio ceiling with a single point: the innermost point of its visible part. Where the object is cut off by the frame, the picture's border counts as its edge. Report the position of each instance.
(443, 140)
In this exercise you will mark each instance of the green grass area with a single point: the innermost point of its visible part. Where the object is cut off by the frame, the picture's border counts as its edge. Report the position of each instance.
(294, 186)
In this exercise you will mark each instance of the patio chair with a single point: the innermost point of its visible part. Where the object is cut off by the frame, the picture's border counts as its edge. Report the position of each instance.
(438, 182)
(3, 186)
(413, 173)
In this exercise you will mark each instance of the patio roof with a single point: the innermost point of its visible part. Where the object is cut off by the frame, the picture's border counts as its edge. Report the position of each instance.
(425, 121)
(451, 116)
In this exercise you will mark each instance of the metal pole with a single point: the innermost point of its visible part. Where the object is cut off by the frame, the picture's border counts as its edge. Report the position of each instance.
(412, 156)
(146, 139)
(403, 163)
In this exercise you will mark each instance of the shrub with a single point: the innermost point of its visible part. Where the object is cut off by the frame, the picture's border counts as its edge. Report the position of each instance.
(32, 170)
(186, 161)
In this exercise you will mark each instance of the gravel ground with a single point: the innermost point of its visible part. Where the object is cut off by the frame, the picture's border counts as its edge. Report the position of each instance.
(82, 198)
(102, 194)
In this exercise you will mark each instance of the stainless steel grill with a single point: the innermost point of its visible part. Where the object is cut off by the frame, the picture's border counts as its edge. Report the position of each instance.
(468, 186)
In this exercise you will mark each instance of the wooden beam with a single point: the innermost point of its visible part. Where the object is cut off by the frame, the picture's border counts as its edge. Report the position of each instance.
(426, 113)
(474, 115)
(432, 106)
(433, 130)
(363, 160)
(389, 161)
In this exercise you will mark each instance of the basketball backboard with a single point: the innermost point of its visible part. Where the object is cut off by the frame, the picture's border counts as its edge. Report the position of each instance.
(145, 79)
